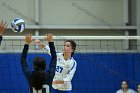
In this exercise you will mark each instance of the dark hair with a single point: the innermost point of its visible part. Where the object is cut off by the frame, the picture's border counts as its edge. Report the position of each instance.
(39, 64)
(38, 75)
(73, 44)
(37, 79)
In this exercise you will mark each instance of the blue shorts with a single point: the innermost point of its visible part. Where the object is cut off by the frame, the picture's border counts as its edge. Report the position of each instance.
(59, 91)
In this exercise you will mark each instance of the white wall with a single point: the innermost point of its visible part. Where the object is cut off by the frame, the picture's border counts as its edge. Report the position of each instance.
(11, 9)
(138, 16)
(138, 21)
(67, 12)
(86, 12)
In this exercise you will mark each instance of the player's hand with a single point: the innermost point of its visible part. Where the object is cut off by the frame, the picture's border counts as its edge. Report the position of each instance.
(49, 37)
(28, 38)
(58, 82)
(2, 27)
(39, 43)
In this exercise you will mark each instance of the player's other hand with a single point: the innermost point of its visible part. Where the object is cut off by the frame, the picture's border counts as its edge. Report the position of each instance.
(49, 37)
(2, 27)
(28, 38)
(39, 43)
(58, 82)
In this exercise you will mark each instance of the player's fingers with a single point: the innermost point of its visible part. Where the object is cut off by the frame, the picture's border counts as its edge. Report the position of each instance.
(30, 36)
(5, 26)
(36, 41)
(27, 35)
(1, 23)
(46, 36)
(49, 35)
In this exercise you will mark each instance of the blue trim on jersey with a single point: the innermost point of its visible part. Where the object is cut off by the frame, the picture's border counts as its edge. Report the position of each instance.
(71, 68)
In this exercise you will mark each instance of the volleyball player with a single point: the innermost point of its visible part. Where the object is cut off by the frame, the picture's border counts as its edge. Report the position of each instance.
(39, 80)
(65, 69)
(2, 29)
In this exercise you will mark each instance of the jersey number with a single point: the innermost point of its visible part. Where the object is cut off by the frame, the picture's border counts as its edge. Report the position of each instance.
(59, 69)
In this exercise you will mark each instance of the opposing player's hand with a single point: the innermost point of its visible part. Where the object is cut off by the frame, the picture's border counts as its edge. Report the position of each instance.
(28, 38)
(49, 37)
(2, 27)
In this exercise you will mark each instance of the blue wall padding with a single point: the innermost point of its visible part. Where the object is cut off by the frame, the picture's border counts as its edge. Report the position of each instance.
(96, 73)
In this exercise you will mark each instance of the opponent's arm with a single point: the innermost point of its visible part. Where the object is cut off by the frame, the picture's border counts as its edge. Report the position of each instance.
(52, 67)
(24, 64)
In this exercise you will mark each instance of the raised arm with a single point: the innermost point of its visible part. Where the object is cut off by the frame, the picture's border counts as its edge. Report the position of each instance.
(52, 67)
(24, 64)
(2, 29)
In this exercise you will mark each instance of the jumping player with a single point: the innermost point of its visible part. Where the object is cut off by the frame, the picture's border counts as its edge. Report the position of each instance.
(65, 69)
(39, 80)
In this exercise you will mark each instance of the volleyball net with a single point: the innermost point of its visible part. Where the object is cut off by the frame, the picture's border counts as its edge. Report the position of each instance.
(84, 43)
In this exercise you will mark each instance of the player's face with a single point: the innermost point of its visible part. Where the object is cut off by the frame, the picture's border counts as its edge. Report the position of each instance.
(124, 85)
(138, 88)
(67, 48)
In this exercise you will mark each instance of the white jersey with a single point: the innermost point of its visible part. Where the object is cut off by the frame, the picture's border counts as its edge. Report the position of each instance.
(128, 91)
(65, 70)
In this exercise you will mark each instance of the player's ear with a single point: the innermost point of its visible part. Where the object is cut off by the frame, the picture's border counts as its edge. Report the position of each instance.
(72, 50)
